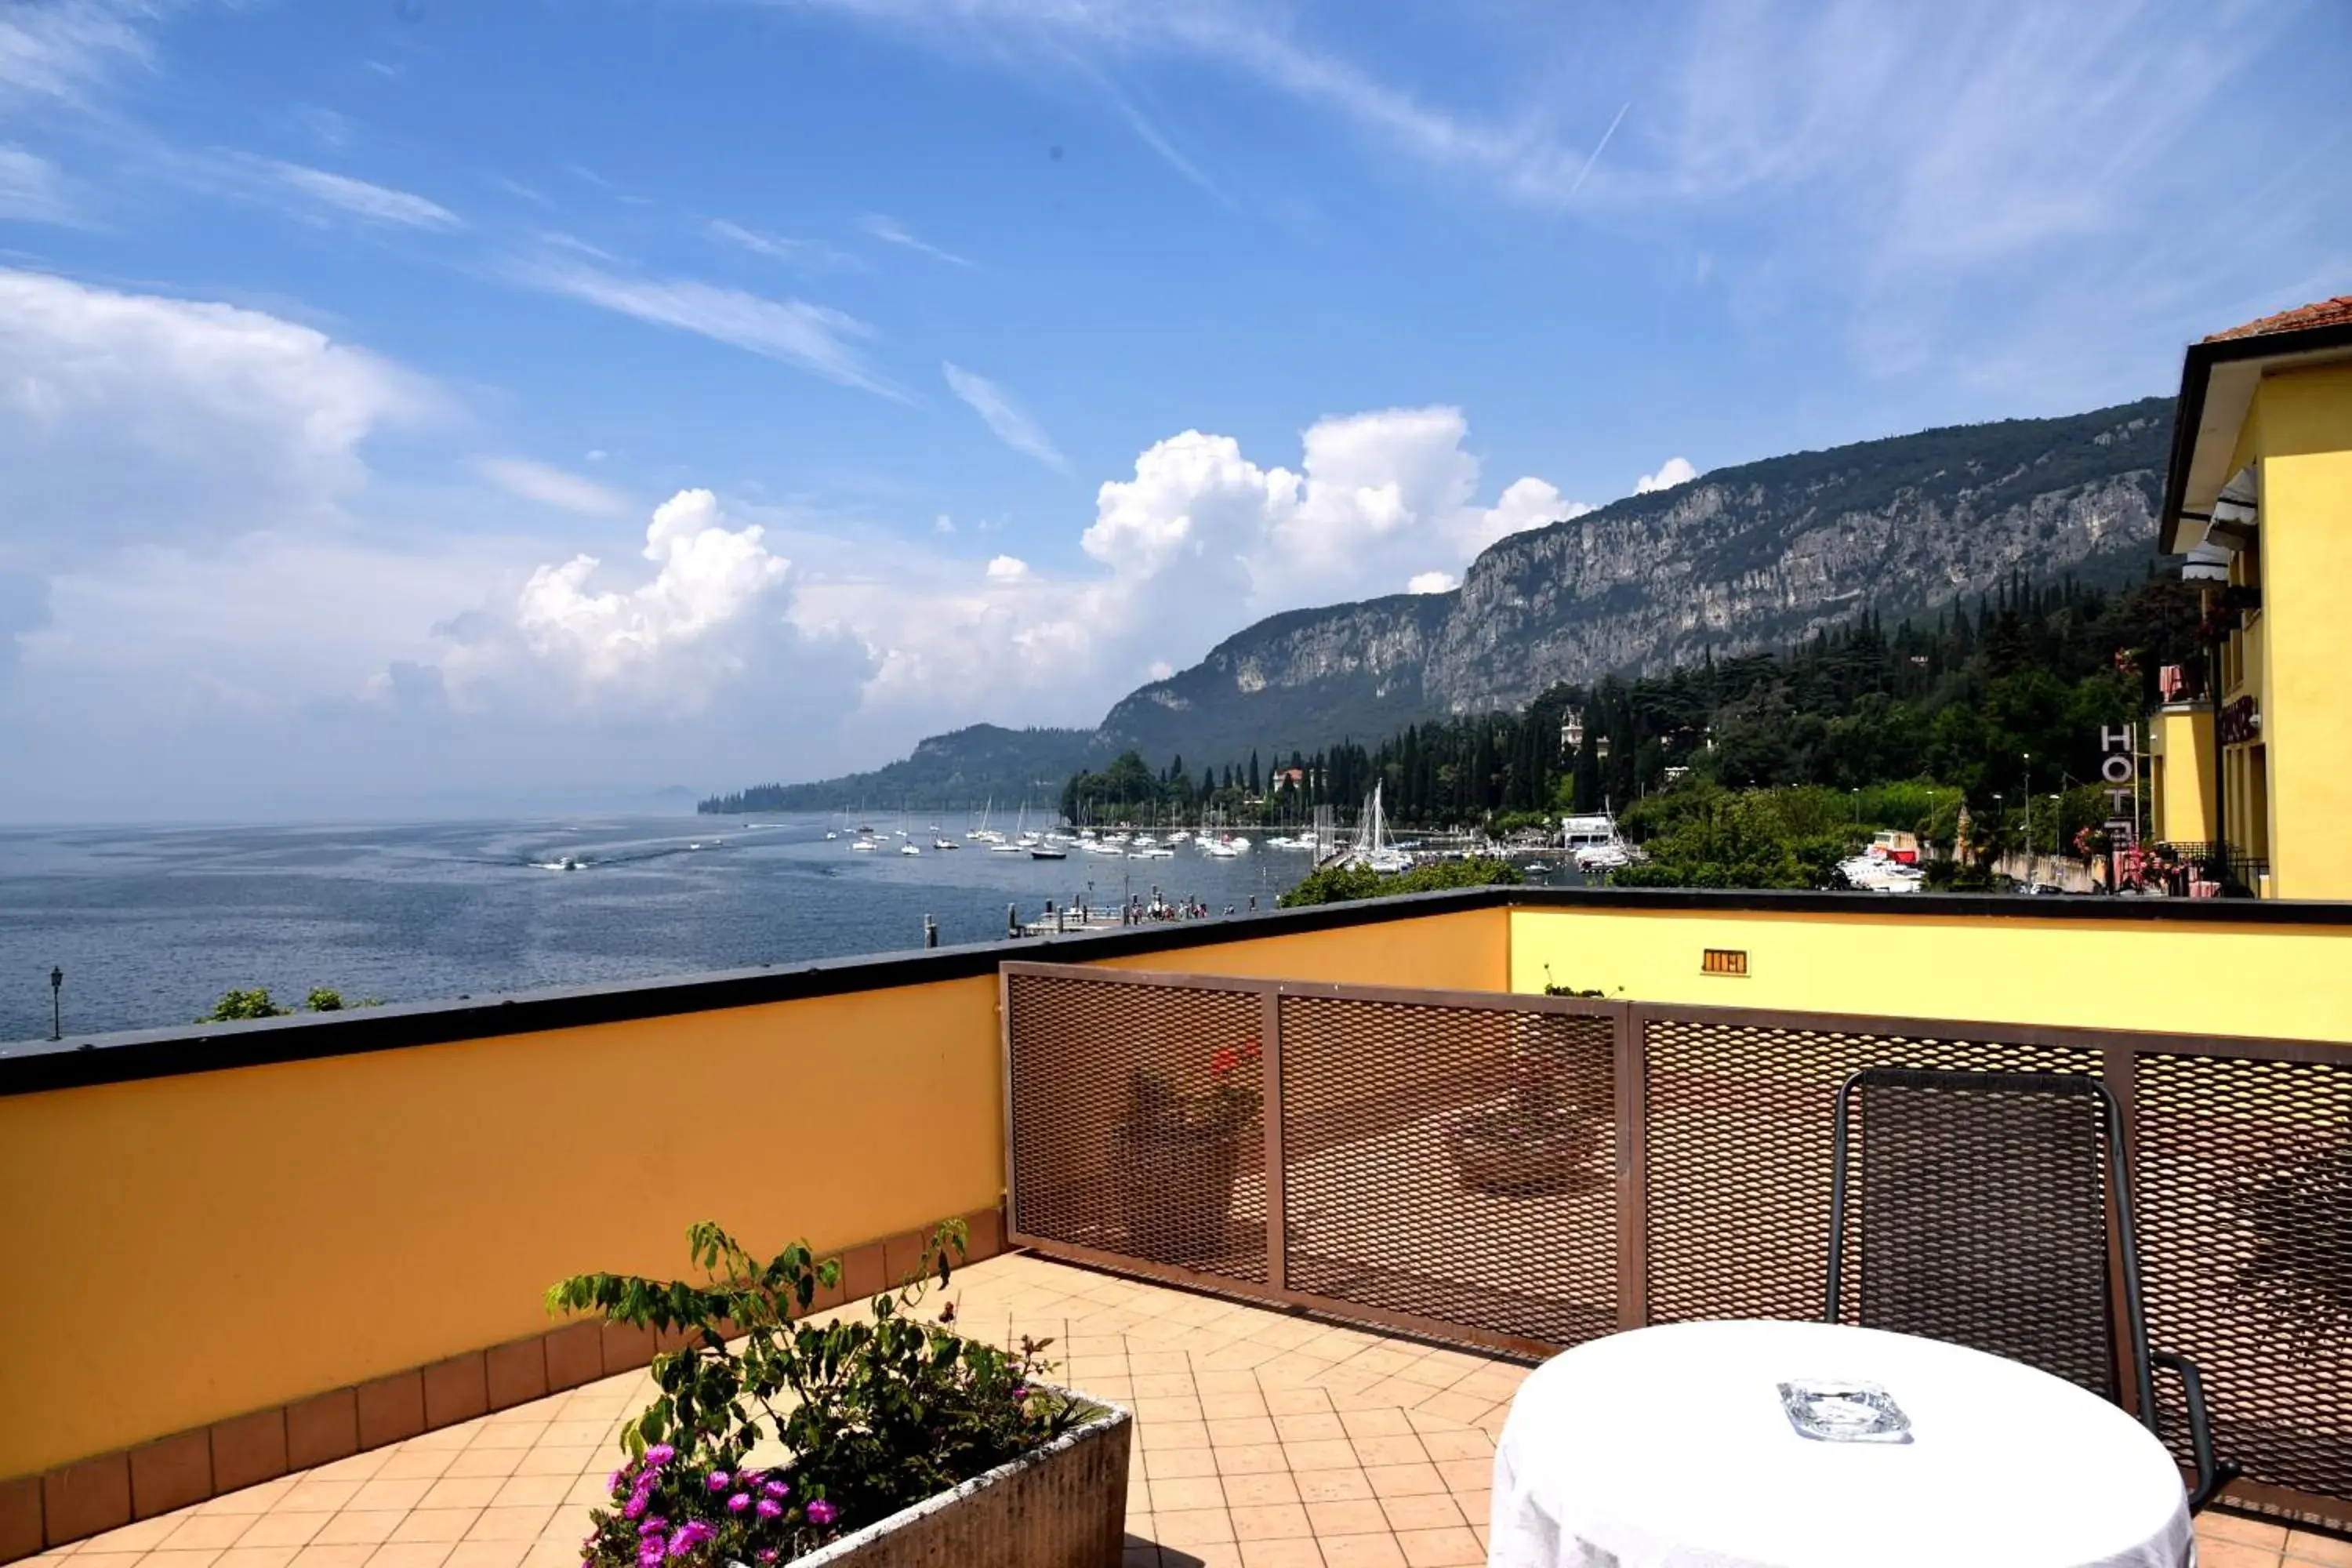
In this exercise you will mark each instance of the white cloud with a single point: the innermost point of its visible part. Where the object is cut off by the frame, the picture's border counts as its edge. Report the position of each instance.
(62, 50)
(31, 188)
(359, 198)
(943, 524)
(891, 232)
(133, 415)
(1431, 583)
(1377, 495)
(1525, 503)
(777, 247)
(816, 338)
(1672, 472)
(1195, 542)
(552, 486)
(1006, 416)
(670, 640)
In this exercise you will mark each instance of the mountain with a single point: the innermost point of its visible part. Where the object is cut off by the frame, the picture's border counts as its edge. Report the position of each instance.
(963, 767)
(1744, 558)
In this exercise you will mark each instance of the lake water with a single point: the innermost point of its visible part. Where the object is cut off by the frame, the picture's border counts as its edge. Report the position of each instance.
(151, 924)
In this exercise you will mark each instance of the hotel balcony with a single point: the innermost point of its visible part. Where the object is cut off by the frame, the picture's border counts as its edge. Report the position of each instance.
(276, 1286)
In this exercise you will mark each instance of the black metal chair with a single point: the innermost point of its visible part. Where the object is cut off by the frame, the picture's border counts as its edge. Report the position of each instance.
(1984, 1221)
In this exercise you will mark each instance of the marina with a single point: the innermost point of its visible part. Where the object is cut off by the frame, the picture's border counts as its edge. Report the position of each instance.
(150, 925)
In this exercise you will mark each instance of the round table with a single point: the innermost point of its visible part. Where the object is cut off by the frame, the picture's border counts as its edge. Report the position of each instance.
(1667, 1448)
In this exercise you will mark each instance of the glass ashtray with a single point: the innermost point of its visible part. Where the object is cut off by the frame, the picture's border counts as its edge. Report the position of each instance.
(1843, 1410)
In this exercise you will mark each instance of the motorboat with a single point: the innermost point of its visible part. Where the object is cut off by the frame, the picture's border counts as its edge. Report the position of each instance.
(1047, 852)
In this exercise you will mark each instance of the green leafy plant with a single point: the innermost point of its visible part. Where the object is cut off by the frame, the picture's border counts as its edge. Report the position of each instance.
(1342, 884)
(874, 1414)
(1159, 1112)
(236, 1006)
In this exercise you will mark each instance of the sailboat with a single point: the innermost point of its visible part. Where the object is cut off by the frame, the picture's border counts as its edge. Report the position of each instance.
(1372, 848)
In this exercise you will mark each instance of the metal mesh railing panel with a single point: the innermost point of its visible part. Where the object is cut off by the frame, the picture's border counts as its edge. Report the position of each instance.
(1138, 1126)
(2242, 1173)
(1737, 1134)
(1456, 1164)
(1982, 1219)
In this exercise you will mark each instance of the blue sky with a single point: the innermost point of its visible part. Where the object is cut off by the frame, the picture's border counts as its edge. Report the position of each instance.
(415, 407)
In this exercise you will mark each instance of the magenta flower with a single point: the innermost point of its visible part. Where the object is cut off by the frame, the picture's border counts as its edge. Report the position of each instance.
(738, 1503)
(716, 1481)
(778, 1489)
(689, 1535)
(636, 1507)
(612, 1483)
(767, 1554)
(1020, 1392)
(771, 1508)
(653, 1527)
(821, 1513)
(660, 1454)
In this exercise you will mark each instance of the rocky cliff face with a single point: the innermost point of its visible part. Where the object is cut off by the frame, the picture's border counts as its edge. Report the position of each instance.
(1744, 558)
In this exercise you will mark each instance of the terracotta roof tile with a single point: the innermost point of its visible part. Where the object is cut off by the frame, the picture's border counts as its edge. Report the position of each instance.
(2325, 313)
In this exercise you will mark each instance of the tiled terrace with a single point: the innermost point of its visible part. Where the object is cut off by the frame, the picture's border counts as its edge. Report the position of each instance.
(1262, 1440)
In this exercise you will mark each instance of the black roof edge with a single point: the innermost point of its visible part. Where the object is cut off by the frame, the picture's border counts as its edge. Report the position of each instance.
(2189, 408)
(37, 1066)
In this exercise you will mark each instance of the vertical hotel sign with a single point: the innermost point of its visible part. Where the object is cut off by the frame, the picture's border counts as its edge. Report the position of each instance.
(2119, 775)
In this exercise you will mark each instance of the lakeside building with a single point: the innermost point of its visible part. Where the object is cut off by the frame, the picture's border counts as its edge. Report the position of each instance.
(2254, 756)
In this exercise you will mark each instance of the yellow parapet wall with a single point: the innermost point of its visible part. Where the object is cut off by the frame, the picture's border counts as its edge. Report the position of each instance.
(2171, 975)
(188, 1248)
(1467, 949)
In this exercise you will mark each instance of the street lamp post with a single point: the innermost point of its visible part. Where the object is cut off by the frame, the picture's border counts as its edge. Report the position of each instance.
(2028, 818)
(57, 993)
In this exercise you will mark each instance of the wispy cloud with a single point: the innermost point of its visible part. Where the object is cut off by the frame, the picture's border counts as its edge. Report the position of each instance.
(890, 231)
(552, 486)
(358, 198)
(805, 253)
(63, 51)
(31, 188)
(816, 338)
(1011, 422)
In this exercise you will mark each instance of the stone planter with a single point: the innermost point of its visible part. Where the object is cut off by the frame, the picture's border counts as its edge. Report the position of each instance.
(1505, 1156)
(1061, 1506)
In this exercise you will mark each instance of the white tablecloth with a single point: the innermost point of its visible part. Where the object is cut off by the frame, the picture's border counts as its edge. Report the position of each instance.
(1668, 1448)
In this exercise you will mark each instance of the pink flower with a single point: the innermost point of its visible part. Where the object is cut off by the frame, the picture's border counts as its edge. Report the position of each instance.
(778, 1489)
(821, 1513)
(653, 1527)
(691, 1535)
(716, 1481)
(738, 1503)
(767, 1554)
(612, 1483)
(636, 1507)
(1020, 1392)
(771, 1508)
(660, 1454)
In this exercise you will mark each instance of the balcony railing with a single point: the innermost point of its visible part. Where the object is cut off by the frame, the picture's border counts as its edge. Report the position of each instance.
(1693, 1180)
(2236, 872)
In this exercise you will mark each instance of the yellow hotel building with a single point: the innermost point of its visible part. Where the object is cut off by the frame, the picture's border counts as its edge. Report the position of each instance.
(2258, 761)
